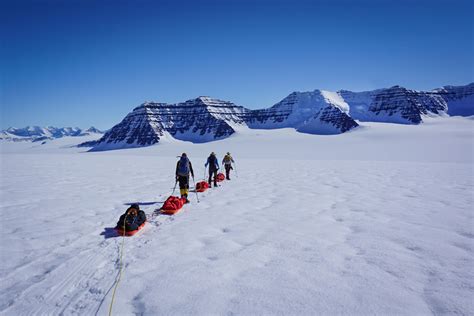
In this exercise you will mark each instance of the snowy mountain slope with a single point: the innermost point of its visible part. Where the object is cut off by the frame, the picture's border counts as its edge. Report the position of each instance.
(207, 119)
(460, 99)
(319, 112)
(316, 112)
(36, 133)
(394, 105)
(200, 120)
(311, 225)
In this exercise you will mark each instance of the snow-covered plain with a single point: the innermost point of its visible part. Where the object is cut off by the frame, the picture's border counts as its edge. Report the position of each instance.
(375, 221)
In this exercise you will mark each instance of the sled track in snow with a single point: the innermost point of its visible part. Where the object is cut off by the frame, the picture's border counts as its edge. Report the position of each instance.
(86, 277)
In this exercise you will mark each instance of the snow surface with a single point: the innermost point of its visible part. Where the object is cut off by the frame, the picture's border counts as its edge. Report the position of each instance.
(375, 221)
(335, 99)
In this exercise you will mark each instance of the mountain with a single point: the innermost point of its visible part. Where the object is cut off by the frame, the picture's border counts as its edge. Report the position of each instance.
(393, 105)
(316, 112)
(320, 112)
(460, 99)
(199, 120)
(37, 133)
(93, 130)
(401, 105)
(206, 119)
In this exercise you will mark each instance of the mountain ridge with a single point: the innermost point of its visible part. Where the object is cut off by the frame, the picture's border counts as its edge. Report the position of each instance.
(36, 133)
(318, 112)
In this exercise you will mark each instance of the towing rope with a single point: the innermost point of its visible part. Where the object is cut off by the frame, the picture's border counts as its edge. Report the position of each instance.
(123, 243)
(120, 266)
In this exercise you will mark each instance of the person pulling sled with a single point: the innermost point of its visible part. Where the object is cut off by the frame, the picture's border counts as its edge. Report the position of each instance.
(213, 168)
(227, 162)
(183, 169)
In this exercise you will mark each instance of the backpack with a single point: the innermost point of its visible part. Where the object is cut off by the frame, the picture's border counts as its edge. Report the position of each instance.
(212, 161)
(227, 159)
(183, 166)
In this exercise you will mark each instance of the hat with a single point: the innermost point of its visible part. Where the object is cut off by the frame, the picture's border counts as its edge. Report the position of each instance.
(135, 206)
(228, 153)
(213, 154)
(183, 155)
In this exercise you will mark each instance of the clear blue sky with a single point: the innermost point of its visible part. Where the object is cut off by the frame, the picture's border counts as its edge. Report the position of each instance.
(82, 63)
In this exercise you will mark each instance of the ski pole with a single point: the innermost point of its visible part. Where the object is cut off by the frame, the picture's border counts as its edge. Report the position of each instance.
(197, 196)
(235, 166)
(174, 189)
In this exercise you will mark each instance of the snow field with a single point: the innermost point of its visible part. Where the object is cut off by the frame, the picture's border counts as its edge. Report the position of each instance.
(370, 231)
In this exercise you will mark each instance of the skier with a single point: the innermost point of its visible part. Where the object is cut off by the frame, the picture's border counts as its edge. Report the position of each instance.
(213, 167)
(183, 168)
(227, 162)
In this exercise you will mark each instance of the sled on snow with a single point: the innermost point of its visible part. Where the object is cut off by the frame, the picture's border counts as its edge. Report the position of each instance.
(131, 222)
(129, 233)
(202, 186)
(220, 177)
(172, 205)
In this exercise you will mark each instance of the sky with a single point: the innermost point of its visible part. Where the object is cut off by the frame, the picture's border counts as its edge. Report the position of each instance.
(89, 63)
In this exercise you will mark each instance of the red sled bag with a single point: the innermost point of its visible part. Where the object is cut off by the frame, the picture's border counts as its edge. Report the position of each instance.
(202, 186)
(129, 233)
(220, 177)
(172, 205)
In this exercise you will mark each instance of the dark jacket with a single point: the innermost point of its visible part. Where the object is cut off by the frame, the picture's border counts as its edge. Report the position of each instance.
(190, 168)
(213, 163)
(132, 222)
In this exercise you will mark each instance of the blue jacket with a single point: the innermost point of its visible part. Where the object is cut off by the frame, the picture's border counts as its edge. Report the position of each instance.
(212, 166)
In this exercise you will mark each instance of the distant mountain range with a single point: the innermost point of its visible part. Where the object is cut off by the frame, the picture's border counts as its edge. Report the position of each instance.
(319, 112)
(37, 133)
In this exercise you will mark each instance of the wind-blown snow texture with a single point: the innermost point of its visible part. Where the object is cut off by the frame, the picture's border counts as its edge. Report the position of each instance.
(379, 221)
(318, 112)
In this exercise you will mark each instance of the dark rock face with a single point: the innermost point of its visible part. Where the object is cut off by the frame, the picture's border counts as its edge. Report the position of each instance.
(409, 105)
(199, 120)
(395, 105)
(274, 117)
(318, 112)
(206, 119)
(340, 120)
(460, 99)
(135, 128)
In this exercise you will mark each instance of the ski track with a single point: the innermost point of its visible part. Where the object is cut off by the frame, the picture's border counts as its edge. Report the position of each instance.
(284, 237)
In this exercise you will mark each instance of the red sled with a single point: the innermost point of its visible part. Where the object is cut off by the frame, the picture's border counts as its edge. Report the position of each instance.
(172, 205)
(220, 177)
(202, 186)
(129, 232)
